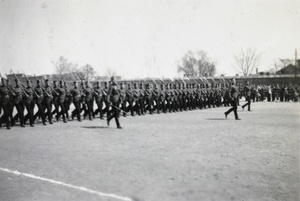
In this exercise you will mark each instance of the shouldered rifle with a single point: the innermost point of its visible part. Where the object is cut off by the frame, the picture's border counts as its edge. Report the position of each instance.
(22, 89)
(11, 91)
(32, 90)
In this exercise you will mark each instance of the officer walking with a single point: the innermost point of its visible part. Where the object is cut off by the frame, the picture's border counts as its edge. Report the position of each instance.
(234, 100)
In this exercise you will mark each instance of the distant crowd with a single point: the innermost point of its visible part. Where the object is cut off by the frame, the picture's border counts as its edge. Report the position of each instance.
(277, 92)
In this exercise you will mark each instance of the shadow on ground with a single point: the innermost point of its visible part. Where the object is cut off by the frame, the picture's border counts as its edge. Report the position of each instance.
(215, 119)
(94, 127)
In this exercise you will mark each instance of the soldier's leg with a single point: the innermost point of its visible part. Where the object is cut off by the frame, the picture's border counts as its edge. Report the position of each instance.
(29, 114)
(20, 110)
(63, 112)
(41, 112)
(5, 117)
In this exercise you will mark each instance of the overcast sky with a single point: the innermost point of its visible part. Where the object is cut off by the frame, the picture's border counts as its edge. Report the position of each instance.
(143, 38)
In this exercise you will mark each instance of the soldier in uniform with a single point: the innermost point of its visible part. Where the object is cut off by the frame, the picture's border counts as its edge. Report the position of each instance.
(148, 99)
(162, 98)
(55, 98)
(76, 97)
(82, 100)
(184, 97)
(48, 95)
(29, 103)
(168, 98)
(179, 98)
(5, 100)
(113, 97)
(18, 102)
(105, 94)
(247, 90)
(156, 98)
(39, 95)
(141, 99)
(88, 91)
(61, 99)
(136, 97)
(99, 93)
(68, 100)
(174, 96)
(129, 98)
(234, 92)
(123, 98)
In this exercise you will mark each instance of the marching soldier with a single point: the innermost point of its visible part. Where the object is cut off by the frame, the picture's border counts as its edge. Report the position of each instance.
(88, 100)
(148, 99)
(156, 98)
(99, 94)
(168, 98)
(142, 99)
(55, 98)
(162, 98)
(136, 97)
(61, 99)
(48, 92)
(82, 100)
(68, 100)
(29, 103)
(123, 98)
(18, 102)
(105, 94)
(76, 94)
(113, 97)
(129, 98)
(179, 98)
(39, 95)
(5, 93)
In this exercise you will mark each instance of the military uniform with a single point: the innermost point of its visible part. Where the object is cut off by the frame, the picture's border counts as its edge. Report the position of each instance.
(156, 98)
(18, 103)
(136, 99)
(123, 100)
(48, 101)
(55, 99)
(29, 103)
(99, 100)
(113, 97)
(76, 97)
(61, 99)
(39, 99)
(148, 99)
(234, 92)
(68, 100)
(88, 91)
(247, 91)
(5, 100)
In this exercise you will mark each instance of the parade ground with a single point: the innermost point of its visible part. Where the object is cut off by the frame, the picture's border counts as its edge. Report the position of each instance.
(184, 156)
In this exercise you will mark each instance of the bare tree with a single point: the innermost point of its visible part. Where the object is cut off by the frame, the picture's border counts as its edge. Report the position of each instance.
(88, 72)
(280, 63)
(196, 64)
(247, 61)
(63, 66)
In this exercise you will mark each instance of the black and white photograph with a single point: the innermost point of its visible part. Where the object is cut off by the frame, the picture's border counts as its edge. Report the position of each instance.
(149, 100)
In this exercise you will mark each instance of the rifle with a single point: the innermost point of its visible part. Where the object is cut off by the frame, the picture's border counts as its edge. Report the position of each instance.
(50, 88)
(32, 90)
(21, 86)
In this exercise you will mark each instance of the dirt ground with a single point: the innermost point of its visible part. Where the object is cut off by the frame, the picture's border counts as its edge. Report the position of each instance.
(195, 155)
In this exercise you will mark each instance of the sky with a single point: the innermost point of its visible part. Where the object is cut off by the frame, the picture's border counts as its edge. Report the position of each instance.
(144, 38)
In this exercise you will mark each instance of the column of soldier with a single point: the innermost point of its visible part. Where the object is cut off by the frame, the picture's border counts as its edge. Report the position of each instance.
(135, 98)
